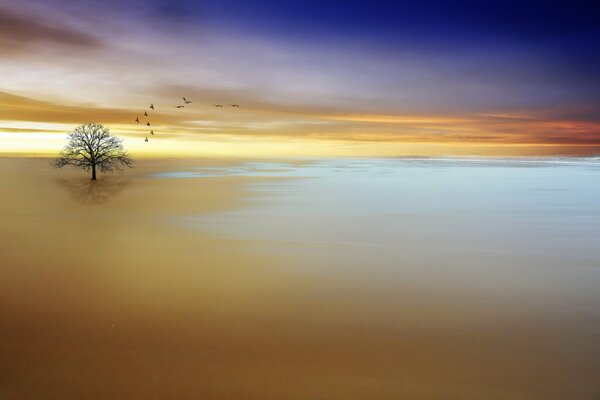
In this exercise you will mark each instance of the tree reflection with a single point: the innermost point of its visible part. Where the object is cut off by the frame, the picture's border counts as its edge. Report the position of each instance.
(93, 192)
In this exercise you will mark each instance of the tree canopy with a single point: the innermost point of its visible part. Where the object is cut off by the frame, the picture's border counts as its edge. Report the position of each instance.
(91, 147)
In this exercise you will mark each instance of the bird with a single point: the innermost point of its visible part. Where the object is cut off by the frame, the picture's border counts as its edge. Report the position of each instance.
(145, 114)
(179, 106)
(186, 101)
(152, 106)
(137, 119)
(146, 139)
(152, 132)
(218, 105)
(235, 105)
(147, 123)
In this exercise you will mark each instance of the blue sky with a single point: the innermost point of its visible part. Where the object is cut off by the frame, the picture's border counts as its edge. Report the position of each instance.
(486, 72)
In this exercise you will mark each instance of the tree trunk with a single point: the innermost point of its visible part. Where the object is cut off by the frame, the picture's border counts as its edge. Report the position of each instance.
(94, 172)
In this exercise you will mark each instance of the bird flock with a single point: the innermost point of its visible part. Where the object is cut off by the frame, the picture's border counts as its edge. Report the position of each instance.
(137, 119)
(185, 102)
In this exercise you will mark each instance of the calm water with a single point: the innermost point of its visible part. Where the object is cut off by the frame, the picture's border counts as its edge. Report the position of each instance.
(514, 212)
(430, 279)
(510, 241)
(503, 254)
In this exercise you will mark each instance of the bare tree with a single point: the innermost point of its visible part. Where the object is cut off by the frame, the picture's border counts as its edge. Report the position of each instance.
(92, 146)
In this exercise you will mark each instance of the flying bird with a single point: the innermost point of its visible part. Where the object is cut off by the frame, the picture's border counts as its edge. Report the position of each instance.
(147, 123)
(152, 106)
(152, 132)
(218, 105)
(146, 139)
(179, 106)
(145, 114)
(235, 105)
(186, 101)
(137, 119)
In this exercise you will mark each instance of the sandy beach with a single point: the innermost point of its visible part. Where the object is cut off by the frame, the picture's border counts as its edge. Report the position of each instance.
(161, 283)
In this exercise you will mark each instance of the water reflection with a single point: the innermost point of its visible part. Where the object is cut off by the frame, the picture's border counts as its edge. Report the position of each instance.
(85, 191)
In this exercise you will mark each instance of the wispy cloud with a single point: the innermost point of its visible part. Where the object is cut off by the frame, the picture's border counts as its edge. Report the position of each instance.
(289, 87)
(269, 120)
(20, 32)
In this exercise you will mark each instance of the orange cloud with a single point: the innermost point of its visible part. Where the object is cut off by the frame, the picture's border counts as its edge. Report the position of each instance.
(489, 133)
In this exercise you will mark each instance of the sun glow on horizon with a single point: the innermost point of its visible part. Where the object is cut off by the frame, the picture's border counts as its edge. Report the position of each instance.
(319, 94)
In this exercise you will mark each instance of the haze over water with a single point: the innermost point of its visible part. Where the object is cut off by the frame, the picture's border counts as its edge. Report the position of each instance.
(495, 262)
(544, 210)
(302, 279)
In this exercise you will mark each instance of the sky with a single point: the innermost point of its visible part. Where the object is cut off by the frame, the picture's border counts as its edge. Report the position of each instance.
(312, 78)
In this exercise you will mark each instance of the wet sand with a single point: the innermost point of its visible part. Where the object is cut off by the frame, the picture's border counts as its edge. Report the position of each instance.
(106, 294)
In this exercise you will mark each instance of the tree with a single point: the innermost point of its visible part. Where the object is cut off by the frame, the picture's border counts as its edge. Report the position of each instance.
(92, 146)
